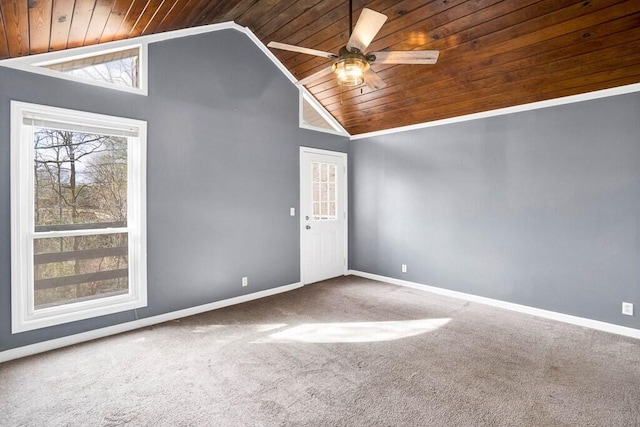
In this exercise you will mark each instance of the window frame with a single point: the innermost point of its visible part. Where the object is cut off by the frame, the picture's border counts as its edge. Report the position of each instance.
(28, 64)
(303, 97)
(24, 316)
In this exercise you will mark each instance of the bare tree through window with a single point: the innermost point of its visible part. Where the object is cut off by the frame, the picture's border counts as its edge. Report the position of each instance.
(80, 184)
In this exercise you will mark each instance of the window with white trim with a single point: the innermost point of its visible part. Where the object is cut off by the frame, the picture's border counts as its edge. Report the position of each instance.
(120, 67)
(313, 117)
(325, 191)
(78, 215)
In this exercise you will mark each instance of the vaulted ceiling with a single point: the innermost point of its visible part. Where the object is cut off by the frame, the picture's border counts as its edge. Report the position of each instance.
(493, 53)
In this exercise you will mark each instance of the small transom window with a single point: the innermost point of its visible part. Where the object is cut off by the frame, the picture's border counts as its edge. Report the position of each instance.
(121, 68)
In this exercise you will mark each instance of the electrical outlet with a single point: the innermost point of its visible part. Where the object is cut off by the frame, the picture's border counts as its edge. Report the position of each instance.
(404, 268)
(292, 211)
(245, 281)
(627, 308)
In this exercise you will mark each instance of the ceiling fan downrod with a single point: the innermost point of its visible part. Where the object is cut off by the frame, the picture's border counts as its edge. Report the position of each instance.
(350, 17)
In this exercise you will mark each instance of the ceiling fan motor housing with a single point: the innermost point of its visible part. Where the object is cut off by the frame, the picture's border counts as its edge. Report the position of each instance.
(350, 67)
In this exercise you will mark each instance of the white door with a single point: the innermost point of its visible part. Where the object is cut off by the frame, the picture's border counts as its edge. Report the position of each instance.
(323, 214)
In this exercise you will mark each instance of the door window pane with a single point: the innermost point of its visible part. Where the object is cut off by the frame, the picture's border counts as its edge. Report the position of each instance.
(324, 178)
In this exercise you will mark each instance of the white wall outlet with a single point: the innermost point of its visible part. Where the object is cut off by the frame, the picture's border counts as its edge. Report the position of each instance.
(404, 268)
(292, 212)
(627, 308)
(245, 281)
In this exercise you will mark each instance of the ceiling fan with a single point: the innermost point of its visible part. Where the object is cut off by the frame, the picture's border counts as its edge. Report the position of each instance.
(352, 64)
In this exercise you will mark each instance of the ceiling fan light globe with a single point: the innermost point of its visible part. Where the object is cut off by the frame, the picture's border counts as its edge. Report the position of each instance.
(350, 71)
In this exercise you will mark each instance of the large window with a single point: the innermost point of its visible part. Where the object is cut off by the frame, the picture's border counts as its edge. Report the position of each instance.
(78, 215)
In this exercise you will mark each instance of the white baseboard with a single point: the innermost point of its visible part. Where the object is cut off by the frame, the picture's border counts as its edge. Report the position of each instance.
(566, 318)
(41, 347)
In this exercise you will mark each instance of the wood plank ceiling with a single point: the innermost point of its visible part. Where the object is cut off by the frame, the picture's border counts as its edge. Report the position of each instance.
(493, 53)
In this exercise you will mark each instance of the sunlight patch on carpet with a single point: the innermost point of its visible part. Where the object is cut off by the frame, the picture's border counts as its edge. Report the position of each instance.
(355, 332)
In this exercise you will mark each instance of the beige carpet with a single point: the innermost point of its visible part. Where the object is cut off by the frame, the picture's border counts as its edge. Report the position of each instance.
(346, 352)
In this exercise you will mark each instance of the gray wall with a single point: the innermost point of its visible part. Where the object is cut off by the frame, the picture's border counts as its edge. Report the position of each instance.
(223, 154)
(540, 208)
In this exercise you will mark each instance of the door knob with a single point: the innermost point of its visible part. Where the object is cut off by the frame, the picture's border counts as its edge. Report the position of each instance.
(308, 227)
(306, 217)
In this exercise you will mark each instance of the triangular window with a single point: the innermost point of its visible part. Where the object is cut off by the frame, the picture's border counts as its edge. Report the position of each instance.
(120, 68)
(314, 117)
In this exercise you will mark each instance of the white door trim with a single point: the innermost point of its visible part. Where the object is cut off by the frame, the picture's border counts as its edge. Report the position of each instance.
(345, 204)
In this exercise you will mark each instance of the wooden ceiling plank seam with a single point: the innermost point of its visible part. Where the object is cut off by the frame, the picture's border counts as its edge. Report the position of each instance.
(300, 31)
(149, 11)
(218, 9)
(427, 12)
(196, 10)
(477, 91)
(453, 21)
(61, 17)
(101, 12)
(140, 18)
(82, 12)
(240, 7)
(116, 18)
(207, 12)
(572, 43)
(308, 24)
(40, 13)
(506, 39)
(259, 10)
(157, 17)
(285, 17)
(164, 15)
(566, 17)
(172, 20)
(133, 14)
(4, 42)
(16, 19)
(399, 30)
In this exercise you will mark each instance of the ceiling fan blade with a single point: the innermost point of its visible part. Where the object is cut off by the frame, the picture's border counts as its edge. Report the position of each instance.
(373, 80)
(315, 76)
(368, 25)
(299, 49)
(406, 57)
